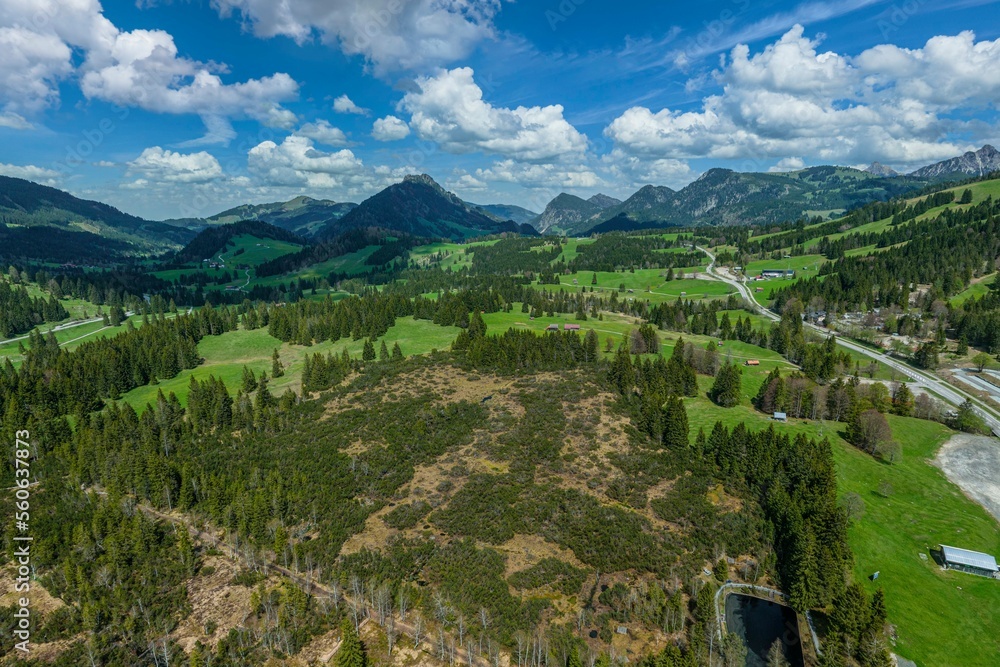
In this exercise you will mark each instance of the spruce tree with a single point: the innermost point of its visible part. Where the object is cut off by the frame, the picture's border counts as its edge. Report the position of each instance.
(352, 651)
(477, 327)
(675, 424)
(397, 354)
(368, 353)
(727, 389)
(591, 346)
(249, 381)
(277, 370)
(383, 352)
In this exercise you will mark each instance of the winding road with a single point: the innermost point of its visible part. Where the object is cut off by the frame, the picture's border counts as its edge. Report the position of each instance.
(916, 378)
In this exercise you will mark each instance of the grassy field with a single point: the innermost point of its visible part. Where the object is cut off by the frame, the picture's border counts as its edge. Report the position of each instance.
(974, 291)
(805, 267)
(452, 255)
(255, 251)
(648, 284)
(947, 619)
(224, 357)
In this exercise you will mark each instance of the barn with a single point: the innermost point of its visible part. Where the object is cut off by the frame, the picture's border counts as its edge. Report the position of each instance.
(571, 327)
(973, 562)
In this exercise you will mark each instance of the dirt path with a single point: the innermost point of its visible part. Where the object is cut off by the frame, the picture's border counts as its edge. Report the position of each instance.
(972, 462)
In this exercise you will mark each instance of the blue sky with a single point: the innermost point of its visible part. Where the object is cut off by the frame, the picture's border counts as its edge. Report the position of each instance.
(184, 108)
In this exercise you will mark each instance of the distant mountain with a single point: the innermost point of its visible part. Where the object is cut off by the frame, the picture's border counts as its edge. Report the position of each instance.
(979, 163)
(506, 212)
(726, 197)
(302, 215)
(420, 207)
(566, 214)
(604, 201)
(879, 169)
(209, 242)
(649, 202)
(35, 210)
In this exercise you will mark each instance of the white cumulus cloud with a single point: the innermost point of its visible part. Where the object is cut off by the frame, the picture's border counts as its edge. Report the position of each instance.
(138, 68)
(792, 100)
(389, 34)
(449, 109)
(345, 104)
(390, 128)
(156, 165)
(30, 172)
(322, 132)
(540, 175)
(296, 162)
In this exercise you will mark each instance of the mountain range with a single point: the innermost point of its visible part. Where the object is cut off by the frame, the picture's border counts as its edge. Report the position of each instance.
(38, 222)
(973, 163)
(302, 215)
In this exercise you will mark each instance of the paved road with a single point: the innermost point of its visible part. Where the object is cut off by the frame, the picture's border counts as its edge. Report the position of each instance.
(68, 325)
(917, 378)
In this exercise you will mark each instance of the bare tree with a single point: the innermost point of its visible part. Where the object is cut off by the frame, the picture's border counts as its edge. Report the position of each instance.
(418, 630)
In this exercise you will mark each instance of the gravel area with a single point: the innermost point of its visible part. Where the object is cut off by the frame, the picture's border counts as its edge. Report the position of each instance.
(973, 463)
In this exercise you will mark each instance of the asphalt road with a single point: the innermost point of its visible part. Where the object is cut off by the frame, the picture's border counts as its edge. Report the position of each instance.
(916, 378)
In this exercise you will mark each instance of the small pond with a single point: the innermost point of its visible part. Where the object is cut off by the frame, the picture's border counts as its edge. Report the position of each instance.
(760, 623)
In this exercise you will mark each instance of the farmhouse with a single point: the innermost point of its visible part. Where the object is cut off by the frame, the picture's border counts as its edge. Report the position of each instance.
(778, 273)
(571, 327)
(972, 562)
(751, 362)
(552, 327)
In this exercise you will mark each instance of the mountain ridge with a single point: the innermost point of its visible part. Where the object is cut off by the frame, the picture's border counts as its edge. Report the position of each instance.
(971, 163)
(419, 206)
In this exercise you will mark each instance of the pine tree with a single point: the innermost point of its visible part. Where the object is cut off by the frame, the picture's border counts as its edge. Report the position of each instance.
(902, 402)
(477, 327)
(675, 428)
(277, 369)
(352, 651)
(776, 655)
(727, 389)
(591, 346)
(249, 381)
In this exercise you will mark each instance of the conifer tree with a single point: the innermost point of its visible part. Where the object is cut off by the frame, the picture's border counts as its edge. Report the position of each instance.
(727, 389)
(368, 352)
(277, 369)
(249, 381)
(675, 424)
(352, 651)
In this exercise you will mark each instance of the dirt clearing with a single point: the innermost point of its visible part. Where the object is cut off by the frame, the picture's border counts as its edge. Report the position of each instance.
(972, 462)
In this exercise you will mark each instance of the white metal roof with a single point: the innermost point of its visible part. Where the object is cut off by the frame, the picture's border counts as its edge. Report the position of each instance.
(969, 558)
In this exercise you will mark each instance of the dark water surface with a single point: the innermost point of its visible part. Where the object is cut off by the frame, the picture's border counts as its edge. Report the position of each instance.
(759, 623)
